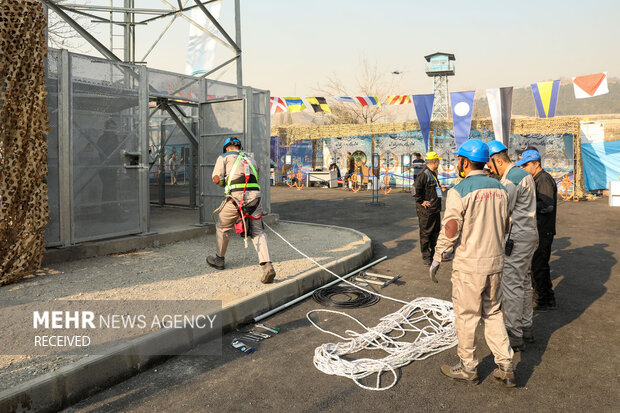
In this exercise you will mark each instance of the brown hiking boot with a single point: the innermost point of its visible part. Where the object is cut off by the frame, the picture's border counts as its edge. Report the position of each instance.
(516, 343)
(528, 334)
(505, 375)
(216, 262)
(268, 273)
(458, 372)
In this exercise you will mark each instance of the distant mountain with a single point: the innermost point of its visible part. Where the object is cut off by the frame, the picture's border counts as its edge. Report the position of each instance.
(523, 101)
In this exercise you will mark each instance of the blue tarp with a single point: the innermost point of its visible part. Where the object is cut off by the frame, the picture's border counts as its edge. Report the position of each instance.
(601, 164)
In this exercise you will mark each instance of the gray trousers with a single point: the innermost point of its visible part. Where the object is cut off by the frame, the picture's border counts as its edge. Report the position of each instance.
(517, 287)
(226, 221)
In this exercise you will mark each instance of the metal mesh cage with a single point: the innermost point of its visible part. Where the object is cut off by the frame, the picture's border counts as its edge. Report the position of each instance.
(104, 128)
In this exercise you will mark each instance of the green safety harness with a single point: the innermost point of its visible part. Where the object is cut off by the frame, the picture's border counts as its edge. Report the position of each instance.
(241, 227)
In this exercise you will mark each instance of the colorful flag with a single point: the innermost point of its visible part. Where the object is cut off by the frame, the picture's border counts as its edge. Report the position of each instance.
(462, 105)
(368, 100)
(500, 106)
(399, 99)
(319, 104)
(546, 97)
(201, 45)
(278, 105)
(294, 103)
(424, 111)
(590, 85)
(347, 99)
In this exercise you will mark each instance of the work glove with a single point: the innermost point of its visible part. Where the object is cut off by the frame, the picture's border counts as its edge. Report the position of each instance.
(222, 182)
(432, 271)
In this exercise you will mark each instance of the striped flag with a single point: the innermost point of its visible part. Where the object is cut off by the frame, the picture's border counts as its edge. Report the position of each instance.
(368, 100)
(500, 107)
(319, 104)
(294, 103)
(399, 99)
(278, 105)
(546, 97)
(347, 99)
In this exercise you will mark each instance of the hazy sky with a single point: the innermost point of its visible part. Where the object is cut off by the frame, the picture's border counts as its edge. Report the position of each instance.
(290, 47)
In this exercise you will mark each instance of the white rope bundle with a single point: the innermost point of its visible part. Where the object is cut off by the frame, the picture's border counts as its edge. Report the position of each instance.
(431, 319)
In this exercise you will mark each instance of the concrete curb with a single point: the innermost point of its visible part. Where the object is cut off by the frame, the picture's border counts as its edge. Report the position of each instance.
(67, 385)
(132, 243)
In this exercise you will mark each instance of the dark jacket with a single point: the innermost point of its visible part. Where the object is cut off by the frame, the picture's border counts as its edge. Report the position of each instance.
(425, 190)
(546, 203)
(350, 164)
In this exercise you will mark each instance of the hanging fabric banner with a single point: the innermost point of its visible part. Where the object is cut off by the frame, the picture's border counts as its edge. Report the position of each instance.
(319, 104)
(294, 103)
(278, 105)
(546, 97)
(500, 106)
(462, 107)
(201, 45)
(424, 111)
(590, 85)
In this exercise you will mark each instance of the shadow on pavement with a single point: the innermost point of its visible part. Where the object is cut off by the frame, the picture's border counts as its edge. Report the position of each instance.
(582, 273)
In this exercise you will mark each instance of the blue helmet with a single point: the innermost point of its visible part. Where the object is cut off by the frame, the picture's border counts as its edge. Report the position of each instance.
(474, 150)
(496, 147)
(231, 141)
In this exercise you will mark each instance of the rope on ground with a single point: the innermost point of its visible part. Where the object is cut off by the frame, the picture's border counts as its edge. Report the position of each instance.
(431, 319)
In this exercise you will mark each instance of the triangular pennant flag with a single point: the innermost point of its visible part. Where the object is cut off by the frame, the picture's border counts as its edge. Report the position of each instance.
(590, 85)
(294, 103)
(546, 97)
(319, 104)
(278, 105)
(462, 107)
(500, 106)
(424, 111)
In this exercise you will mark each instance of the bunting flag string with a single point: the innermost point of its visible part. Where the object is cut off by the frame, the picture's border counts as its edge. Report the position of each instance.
(399, 99)
(319, 104)
(294, 103)
(368, 100)
(278, 105)
(590, 85)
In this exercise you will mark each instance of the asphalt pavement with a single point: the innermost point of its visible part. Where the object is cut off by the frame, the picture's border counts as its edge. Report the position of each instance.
(573, 366)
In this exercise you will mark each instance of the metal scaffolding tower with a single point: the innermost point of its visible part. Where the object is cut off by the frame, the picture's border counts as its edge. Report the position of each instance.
(128, 17)
(439, 67)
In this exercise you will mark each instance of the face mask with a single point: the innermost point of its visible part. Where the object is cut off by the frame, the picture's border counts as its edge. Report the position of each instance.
(460, 168)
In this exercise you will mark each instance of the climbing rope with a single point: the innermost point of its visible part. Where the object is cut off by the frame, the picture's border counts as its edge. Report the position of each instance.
(431, 321)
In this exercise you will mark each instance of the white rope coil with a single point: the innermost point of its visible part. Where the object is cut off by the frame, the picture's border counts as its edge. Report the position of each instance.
(430, 320)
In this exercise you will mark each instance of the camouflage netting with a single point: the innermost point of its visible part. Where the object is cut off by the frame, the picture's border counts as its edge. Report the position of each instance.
(23, 145)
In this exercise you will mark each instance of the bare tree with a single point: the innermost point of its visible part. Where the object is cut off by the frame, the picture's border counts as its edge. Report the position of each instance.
(370, 82)
(61, 35)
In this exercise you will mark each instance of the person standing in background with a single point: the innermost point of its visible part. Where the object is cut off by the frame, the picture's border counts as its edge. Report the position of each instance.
(427, 197)
(546, 208)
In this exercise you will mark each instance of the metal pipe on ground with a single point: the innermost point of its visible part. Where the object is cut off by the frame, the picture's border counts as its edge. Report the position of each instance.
(303, 297)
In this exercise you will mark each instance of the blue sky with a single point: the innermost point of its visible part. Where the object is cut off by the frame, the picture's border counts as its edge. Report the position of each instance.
(290, 47)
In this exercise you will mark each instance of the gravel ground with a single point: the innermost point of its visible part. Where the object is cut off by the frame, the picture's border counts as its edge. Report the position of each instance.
(175, 271)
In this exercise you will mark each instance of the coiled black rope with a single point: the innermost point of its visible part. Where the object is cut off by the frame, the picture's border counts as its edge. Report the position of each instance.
(355, 298)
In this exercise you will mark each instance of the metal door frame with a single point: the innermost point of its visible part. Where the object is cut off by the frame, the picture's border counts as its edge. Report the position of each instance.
(205, 216)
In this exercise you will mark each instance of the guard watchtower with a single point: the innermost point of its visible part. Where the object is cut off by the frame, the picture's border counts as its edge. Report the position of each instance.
(439, 66)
